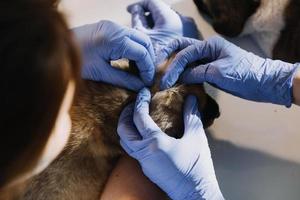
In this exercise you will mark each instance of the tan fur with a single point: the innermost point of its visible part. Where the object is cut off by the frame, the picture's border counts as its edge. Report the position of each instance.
(81, 170)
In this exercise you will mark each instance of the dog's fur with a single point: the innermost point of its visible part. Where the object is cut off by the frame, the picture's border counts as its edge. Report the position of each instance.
(274, 24)
(82, 169)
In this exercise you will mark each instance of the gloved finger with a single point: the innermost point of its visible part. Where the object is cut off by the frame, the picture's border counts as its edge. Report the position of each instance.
(126, 129)
(195, 75)
(109, 74)
(137, 149)
(172, 47)
(142, 120)
(182, 59)
(160, 11)
(126, 148)
(130, 138)
(144, 40)
(138, 53)
(198, 51)
(190, 29)
(138, 18)
(192, 117)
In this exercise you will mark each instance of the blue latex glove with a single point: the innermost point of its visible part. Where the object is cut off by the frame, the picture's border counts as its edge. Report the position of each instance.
(168, 25)
(231, 69)
(183, 168)
(105, 41)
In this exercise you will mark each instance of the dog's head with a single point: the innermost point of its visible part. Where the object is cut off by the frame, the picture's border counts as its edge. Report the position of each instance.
(228, 17)
(166, 107)
(168, 104)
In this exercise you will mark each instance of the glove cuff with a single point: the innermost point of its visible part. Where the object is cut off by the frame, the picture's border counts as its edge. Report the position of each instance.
(297, 69)
(277, 88)
(210, 191)
(287, 97)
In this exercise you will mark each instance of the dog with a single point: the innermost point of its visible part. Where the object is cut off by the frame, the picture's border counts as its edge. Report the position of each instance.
(82, 169)
(274, 24)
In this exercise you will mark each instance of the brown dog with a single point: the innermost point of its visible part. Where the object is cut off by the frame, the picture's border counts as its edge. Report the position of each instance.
(81, 170)
(274, 24)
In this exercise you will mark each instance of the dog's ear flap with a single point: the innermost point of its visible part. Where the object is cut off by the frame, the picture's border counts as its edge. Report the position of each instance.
(210, 112)
(126, 65)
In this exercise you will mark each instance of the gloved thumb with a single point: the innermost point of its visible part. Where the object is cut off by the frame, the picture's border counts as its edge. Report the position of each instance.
(142, 120)
(172, 47)
(194, 75)
(192, 117)
(189, 53)
(138, 18)
(189, 27)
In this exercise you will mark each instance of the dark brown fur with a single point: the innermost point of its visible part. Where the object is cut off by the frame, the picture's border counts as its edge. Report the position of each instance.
(228, 17)
(81, 170)
(288, 45)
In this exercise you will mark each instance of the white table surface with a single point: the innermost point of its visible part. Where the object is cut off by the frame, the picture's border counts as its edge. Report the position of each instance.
(255, 147)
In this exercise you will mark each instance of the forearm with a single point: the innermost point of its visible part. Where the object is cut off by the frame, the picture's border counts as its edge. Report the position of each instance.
(296, 88)
(127, 182)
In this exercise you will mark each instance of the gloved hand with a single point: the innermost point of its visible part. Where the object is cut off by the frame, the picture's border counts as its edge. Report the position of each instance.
(231, 69)
(105, 41)
(183, 168)
(167, 24)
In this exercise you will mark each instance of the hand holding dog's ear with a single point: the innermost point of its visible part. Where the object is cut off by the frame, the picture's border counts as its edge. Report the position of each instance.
(231, 69)
(167, 24)
(105, 41)
(183, 167)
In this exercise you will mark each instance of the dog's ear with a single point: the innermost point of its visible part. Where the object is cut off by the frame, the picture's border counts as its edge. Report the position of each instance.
(210, 112)
(126, 65)
(287, 48)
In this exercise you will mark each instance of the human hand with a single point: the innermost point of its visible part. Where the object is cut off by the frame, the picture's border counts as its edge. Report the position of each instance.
(231, 69)
(167, 24)
(105, 41)
(183, 168)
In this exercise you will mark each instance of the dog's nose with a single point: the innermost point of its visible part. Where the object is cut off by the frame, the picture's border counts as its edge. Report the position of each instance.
(202, 7)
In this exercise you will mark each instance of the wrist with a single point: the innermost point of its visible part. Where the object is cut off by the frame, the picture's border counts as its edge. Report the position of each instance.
(296, 87)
